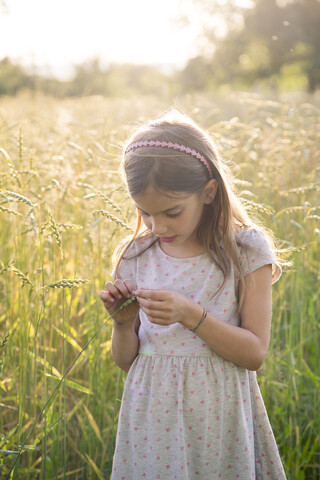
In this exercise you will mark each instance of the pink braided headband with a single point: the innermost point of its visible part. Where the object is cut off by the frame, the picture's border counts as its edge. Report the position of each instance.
(175, 146)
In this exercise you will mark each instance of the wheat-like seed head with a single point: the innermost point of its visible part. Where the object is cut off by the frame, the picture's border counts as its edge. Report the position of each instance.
(113, 219)
(5, 154)
(313, 187)
(43, 227)
(242, 183)
(20, 274)
(60, 227)
(8, 210)
(55, 232)
(68, 226)
(296, 208)
(30, 215)
(4, 269)
(4, 341)
(125, 304)
(13, 171)
(258, 206)
(19, 198)
(314, 217)
(28, 172)
(102, 195)
(67, 283)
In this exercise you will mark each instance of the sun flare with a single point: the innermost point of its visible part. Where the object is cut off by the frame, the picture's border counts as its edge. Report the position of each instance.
(60, 34)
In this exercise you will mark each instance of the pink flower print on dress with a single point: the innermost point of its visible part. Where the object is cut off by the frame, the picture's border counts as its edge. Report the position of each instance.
(169, 398)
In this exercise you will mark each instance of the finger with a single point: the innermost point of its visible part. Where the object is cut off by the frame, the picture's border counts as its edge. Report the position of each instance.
(154, 313)
(160, 321)
(106, 297)
(113, 290)
(152, 304)
(152, 294)
(122, 287)
(130, 286)
(118, 289)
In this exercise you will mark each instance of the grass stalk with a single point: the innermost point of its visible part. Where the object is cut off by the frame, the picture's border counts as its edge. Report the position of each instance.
(57, 387)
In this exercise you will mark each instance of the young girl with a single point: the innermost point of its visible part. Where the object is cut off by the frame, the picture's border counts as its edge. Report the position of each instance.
(200, 328)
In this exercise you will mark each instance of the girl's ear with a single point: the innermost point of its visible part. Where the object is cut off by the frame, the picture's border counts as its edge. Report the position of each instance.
(209, 191)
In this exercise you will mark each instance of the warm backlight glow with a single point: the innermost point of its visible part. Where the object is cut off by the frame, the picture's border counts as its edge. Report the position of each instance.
(60, 33)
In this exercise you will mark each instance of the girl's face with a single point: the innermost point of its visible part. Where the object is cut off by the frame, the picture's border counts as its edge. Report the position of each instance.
(175, 218)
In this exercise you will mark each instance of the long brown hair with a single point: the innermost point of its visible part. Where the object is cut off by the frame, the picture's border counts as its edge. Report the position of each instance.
(174, 171)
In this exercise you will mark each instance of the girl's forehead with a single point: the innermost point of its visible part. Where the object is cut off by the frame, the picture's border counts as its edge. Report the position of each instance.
(158, 194)
(154, 199)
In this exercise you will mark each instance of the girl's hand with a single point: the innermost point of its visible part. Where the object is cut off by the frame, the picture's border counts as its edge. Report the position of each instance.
(114, 295)
(165, 307)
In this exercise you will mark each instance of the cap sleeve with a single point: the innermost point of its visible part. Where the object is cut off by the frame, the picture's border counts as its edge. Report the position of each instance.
(127, 267)
(255, 252)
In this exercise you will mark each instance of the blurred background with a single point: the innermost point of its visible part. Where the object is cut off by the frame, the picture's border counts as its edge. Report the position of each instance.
(115, 48)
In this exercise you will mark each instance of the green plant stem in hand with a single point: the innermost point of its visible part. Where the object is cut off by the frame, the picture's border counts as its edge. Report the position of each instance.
(124, 305)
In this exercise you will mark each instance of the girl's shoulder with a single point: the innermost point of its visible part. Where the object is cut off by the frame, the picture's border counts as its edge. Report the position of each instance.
(256, 250)
(252, 238)
(138, 246)
(132, 250)
(126, 256)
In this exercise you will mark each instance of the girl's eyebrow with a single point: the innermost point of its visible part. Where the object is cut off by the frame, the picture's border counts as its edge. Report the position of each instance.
(164, 211)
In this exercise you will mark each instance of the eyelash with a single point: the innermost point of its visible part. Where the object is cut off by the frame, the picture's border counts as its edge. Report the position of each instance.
(172, 215)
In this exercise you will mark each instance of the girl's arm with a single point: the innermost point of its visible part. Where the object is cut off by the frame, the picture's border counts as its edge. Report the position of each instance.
(125, 343)
(246, 345)
(124, 340)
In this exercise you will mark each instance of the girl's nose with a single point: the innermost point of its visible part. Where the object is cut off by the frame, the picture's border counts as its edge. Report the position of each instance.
(158, 228)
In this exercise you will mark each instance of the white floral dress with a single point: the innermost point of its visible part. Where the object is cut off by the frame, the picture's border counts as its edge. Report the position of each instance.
(186, 412)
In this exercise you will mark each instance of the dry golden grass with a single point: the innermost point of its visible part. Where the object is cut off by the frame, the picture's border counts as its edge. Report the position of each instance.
(58, 165)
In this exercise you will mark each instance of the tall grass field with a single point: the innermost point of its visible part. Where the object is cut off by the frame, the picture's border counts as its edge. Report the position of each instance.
(63, 209)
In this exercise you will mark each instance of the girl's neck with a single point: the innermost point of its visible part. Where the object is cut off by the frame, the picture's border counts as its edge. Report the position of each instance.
(184, 251)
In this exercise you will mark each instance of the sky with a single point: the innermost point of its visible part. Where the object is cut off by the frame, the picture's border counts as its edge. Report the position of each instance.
(56, 34)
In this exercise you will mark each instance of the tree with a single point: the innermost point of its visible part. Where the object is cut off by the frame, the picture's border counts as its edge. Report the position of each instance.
(304, 19)
(291, 34)
(12, 78)
(269, 36)
(195, 75)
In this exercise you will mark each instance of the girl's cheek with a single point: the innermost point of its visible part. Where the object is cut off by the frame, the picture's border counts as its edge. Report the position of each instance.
(180, 223)
(145, 221)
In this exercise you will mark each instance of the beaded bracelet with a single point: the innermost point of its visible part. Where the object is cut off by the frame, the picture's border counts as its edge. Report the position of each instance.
(204, 316)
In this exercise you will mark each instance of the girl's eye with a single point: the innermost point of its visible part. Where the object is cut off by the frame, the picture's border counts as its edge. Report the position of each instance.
(143, 214)
(173, 215)
(169, 215)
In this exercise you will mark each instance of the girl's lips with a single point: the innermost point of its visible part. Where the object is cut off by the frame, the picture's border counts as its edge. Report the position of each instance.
(168, 239)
